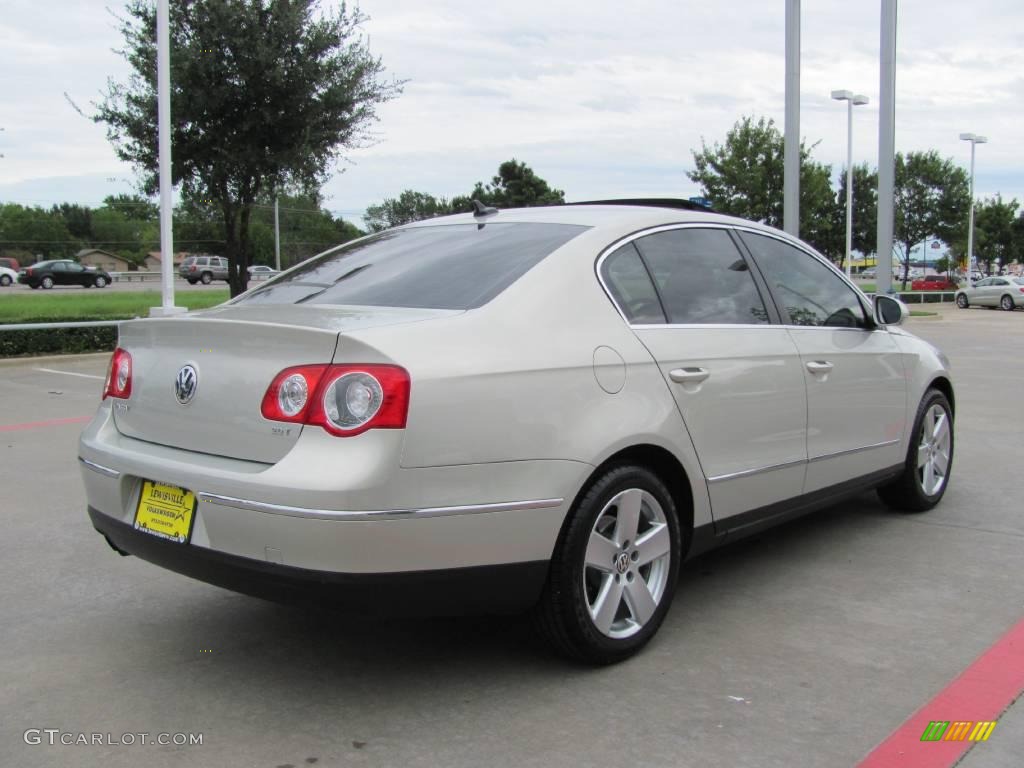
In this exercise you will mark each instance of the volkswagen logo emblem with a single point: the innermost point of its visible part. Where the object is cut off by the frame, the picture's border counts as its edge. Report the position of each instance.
(186, 384)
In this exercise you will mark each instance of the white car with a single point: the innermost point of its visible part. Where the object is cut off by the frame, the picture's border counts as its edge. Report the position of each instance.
(1004, 292)
(7, 277)
(261, 272)
(544, 409)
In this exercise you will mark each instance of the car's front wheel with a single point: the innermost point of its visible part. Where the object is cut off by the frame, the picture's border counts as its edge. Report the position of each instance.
(100, 281)
(961, 301)
(614, 569)
(5, 280)
(929, 458)
(207, 278)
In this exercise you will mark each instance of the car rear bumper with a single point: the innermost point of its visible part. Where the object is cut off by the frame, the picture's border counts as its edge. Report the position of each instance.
(351, 513)
(505, 588)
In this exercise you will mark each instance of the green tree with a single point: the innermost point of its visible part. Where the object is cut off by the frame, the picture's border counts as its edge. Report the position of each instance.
(865, 208)
(306, 229)
(995, 239)
(265, 94)
(744, 177)
(77, 218)
(35, 231)
(932, 200)
(515, 186)
(407, 207)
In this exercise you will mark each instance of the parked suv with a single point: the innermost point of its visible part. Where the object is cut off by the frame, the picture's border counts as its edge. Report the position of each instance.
(204, 269)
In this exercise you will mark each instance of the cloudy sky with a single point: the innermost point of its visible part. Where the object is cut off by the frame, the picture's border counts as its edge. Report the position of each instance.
(602, 99)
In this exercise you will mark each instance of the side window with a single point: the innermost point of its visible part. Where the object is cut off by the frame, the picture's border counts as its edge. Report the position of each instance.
(75, 268)
(810, 293)
(58, 266)
(631, 286)
(702, 277)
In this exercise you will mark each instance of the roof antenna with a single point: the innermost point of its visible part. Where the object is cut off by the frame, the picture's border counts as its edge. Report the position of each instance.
(479, 209)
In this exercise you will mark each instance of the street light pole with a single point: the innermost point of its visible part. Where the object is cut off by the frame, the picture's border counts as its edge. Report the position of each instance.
(975, 139)
(852, 100)
(791, 152)
(886, 146)
(163, 60)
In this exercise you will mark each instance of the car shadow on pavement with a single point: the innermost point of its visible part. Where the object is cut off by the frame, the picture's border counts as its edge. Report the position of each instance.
(326, 644)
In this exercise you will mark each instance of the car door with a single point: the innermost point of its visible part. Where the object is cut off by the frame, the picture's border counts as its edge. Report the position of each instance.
(735, 376)
(853, 370)
(75, 274)
(59, 273)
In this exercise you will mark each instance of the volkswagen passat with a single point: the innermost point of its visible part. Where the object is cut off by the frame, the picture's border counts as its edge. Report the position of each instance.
(544, 409)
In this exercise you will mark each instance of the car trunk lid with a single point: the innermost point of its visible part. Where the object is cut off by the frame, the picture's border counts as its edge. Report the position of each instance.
(236, 351)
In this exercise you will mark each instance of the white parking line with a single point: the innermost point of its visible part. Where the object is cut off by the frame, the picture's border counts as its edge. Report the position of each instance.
(69, 373)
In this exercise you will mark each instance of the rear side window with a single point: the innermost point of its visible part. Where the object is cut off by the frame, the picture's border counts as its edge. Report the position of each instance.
(631, 287)
(702, 278)
(456, 266)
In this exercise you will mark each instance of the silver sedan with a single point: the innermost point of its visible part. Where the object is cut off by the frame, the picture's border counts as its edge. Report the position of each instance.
(1004, 292)
(543, 410)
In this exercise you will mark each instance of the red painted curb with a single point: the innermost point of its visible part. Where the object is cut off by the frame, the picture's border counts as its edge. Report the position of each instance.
(981, 692)
(48, 423)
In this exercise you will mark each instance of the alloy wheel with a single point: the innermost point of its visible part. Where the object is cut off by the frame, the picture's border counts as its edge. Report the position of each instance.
(627, 563)
(933, 450)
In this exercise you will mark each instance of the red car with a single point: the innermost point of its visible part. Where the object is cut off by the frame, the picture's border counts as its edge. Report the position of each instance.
(933, 283)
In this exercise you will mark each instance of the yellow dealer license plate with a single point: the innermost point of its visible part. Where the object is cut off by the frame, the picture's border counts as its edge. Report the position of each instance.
(165, 511)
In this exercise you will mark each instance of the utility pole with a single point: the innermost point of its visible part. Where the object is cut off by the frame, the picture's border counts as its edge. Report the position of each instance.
(277, 238)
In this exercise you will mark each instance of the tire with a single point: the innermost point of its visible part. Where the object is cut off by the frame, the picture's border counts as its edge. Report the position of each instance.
(47, 282)
(636, 594)
(5, 280)
(192, 282)
(962, 302)
(206, 278)
(1006, 303)
(100, 281)
(918, 489)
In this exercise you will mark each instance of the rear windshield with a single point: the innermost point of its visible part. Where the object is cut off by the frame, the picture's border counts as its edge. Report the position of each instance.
(456, 266)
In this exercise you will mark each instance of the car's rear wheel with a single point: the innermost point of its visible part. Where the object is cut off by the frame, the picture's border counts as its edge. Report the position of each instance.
(929, 458)
(1006, 302)
(962, 302)
(47, 282)
(614, 569)
(100, 281)
(207, 278)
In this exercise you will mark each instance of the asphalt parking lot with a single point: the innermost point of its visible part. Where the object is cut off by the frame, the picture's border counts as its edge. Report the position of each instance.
(805, 646)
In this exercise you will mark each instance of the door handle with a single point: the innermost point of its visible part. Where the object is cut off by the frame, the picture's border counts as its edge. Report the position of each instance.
(819, 366)
(689, 375)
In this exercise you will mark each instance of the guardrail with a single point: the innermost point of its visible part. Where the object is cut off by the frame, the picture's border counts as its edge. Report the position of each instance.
(58, 326)
(922, 297)
(140, 276)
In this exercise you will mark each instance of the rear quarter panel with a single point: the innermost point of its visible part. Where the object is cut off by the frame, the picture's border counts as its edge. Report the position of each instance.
(515, 380)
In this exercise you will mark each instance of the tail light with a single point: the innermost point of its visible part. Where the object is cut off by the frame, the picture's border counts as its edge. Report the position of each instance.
(29, 271)
(1021, 289)
(345, 400)
(119, 375)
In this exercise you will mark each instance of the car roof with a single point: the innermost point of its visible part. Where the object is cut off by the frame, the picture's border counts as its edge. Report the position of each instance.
(595, 215)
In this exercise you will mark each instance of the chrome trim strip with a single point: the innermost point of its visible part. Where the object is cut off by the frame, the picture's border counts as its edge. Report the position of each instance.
(105, 471)
(784, 465)
(848, 451)
(758, 471)
(381, 514)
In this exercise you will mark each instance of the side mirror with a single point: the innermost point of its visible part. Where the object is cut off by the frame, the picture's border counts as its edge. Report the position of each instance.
(890, 311)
